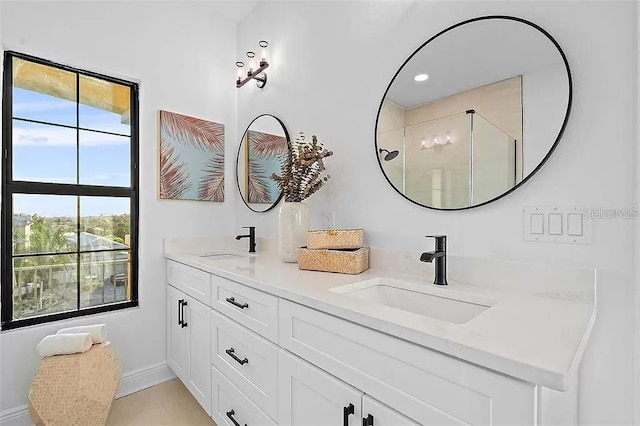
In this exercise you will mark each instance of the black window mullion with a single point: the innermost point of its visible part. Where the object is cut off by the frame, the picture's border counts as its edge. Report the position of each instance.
(134, 204)
(6, 287)
(25, 187)
(78, 257)
(66, 126)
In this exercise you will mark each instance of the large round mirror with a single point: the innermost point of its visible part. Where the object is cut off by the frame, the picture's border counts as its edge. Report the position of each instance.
(473, 113)
(263, 148)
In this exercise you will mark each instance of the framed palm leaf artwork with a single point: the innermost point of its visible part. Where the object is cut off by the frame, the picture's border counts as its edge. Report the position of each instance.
(191, 158)
(265, 152)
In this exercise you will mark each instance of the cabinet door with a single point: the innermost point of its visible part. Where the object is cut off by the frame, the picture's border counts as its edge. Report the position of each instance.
(198, 331)
(310, 396)
(176, 337)
(374, 413)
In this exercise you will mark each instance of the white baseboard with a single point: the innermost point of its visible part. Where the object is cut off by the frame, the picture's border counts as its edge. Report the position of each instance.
(17, 416)
(130, 382)
(137, 380)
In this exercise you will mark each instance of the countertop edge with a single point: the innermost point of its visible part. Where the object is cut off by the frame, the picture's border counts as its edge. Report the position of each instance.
(556, 380)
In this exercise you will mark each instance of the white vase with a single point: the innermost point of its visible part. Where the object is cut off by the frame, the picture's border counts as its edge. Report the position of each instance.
(293, 224)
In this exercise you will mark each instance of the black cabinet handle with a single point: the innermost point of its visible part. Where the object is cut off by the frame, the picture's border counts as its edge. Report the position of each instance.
(231, 353)
(180, 311)
(347, 411)
(230, 415)
(184, 323)
(367, 421)
(232, 300)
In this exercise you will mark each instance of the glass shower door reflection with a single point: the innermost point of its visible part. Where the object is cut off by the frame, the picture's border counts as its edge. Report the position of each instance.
(493, 161)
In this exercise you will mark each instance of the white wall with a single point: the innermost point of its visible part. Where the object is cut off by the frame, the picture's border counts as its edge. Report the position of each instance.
(184, 58)
(328, 58)
(544, 103)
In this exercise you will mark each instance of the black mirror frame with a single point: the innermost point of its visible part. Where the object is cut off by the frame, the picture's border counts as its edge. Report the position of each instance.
(286, 134)
(544, 160)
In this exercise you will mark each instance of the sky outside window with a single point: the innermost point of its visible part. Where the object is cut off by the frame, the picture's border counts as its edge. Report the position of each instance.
(48, 153)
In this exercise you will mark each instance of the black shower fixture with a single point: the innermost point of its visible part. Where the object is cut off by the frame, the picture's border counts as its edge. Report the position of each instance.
(390, 154)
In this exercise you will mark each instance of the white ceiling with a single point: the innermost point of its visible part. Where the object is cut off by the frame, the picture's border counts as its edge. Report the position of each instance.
(471, 56)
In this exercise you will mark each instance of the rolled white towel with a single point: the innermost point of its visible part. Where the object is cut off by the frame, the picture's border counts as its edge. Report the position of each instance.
(98, 331)
(61, 344)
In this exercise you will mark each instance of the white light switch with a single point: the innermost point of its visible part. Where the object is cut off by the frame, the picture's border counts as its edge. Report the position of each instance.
(555, 223)
(537, 223)
(574, 224)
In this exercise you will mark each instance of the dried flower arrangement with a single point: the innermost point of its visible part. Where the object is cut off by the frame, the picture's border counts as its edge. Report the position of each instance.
(302, 169)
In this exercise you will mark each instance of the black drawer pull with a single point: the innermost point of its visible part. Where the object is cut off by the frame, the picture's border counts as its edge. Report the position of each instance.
(232, 300)
(180, 311)
(231, 353)
(367, 421)
(230, 415)
(184, 323)
(347, 411)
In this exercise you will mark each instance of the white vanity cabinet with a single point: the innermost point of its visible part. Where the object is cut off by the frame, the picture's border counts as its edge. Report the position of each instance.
(422, 384)
(188, 344)
(252, 358)
(310, 396)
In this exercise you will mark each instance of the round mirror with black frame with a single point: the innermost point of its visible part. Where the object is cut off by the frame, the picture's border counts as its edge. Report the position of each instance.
(263, 148)
(473, 113)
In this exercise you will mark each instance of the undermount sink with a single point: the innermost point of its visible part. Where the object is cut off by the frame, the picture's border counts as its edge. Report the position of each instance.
(222, 255)
(423, 299)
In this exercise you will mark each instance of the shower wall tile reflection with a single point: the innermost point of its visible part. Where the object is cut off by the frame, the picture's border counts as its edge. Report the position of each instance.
(451, 157)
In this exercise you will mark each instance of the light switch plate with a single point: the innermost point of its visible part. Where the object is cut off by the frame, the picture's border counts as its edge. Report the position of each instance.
(559, 224)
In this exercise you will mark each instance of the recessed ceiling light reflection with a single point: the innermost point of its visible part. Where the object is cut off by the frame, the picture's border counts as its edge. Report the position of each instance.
(421, 77)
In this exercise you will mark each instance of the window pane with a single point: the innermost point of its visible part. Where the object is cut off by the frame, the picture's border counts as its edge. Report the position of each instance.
(104, 105)
(104, 159)
(103, 278)
(105, 223)
(44, 153)
(44, 285)
(43, 93)
(44, 223)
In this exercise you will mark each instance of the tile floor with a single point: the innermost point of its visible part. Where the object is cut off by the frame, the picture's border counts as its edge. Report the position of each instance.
(166, 404)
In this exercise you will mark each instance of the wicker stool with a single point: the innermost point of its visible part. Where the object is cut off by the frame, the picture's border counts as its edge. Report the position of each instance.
(75, 389)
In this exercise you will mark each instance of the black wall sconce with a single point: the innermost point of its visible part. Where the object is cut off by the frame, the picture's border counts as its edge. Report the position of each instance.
(254, 73)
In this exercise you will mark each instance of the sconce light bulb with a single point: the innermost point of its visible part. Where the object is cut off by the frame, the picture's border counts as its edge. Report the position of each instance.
(435, 139)
(424, 142)
(263, 57)
(251, 56)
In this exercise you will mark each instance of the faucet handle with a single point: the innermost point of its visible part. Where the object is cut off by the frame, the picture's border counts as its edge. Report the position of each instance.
(437, 237)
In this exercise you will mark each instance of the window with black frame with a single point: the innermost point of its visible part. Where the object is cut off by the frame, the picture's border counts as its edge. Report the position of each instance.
(69, 192)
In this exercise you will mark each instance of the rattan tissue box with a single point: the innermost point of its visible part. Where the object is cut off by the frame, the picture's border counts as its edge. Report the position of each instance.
(335, 239)
(344, 261)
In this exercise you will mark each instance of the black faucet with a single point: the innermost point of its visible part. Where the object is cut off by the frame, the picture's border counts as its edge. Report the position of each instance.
(251, 236)
(440, 255)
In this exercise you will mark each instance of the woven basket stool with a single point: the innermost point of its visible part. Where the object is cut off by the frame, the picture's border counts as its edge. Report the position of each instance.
(75, 389)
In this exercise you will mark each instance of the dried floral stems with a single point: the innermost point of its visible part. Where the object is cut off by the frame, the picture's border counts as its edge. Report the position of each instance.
(302, 169)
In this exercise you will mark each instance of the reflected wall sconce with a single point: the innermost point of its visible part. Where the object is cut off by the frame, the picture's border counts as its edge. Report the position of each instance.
(252, 72)
(435, 143)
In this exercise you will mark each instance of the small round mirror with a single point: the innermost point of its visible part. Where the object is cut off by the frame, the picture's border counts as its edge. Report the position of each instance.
(473, 113)
(263, 149)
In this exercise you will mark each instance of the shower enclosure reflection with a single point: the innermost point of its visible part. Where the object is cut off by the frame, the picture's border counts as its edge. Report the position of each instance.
(450, 162)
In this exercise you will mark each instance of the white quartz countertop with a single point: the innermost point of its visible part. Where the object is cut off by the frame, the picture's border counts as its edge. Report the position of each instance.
(534, 338)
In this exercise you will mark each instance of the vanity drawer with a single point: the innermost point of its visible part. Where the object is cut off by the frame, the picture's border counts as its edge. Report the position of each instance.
(425, 385)
(256, 310)
(192, 281)
(228, 400)
(255, 371)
